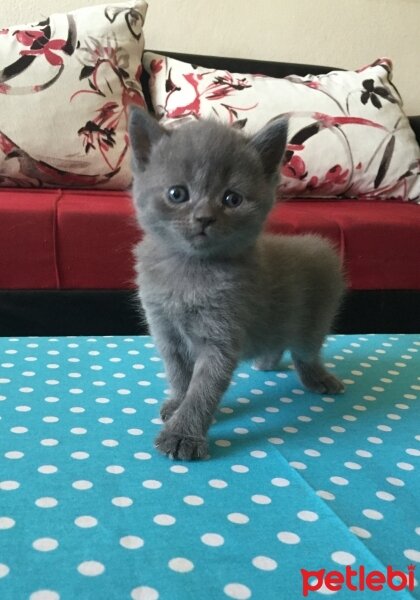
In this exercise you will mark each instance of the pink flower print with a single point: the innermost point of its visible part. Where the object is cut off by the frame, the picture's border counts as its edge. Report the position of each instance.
(294, 168)
(28, 37)
(156, 66)
(336, 175)
(48, 52)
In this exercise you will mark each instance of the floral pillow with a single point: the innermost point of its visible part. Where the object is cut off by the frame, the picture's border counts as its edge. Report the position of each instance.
(65, 86)
(348, 134)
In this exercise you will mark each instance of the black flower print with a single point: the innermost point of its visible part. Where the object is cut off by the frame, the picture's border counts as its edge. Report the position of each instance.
(372, 92)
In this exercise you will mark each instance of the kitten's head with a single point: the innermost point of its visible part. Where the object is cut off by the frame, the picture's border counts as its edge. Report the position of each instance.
(204, 188)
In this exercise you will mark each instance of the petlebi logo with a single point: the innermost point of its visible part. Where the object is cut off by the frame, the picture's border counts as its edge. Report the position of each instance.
(357, 580)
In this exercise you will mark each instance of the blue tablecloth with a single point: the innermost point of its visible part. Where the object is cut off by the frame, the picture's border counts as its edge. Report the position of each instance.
(296, 481)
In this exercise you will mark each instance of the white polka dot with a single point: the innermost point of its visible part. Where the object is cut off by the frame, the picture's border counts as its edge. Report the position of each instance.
(385, 496)
(46, 502)
(49, 442)
(326, 440)
(152, 484)
(128, 410)
(179, 469)
(164, 519)
(300, 466)
(142, 455)
(144, 593)
(25, 408)
(343, 558)
(212, 539)
(82, 484)
(19, 430)
(257, 392)
(405, 466)
(339, 480)
(272, 409)
(135, 431)
(412, 555)
(338, 429)
(288, 537)
(80, 455)
(181, 565)
(45, 544)
(395, 481)
(4, 570)
(217, 483)
(264, 563)
(313, 453)
(364, 453)
(290, 429)
(7, 523)
(91, 568)
(237, 591)
(9, 485)
(413, 451)
(44, 595)
(238, 518)
(352, 465)
(375, 440)
(258, 419)
(131, 542)
(110, 443)
(372, 514)
(14, 455)
(307, 515)
(280, 482)
(223, 443)
(240, 431)
(239, 469)
(258, 454)
(122, 501)
(261, 499)
(78, 431)
(86, 521)
(360, 532)
(276, 441)
(193, 500)
(47, 469)
(115, 469)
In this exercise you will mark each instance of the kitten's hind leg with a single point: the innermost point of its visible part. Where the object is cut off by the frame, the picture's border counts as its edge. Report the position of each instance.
(315, 376)
(269, 362)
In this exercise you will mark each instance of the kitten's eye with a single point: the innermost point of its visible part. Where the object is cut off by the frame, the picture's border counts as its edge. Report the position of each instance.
(178, 194)
(232, 199)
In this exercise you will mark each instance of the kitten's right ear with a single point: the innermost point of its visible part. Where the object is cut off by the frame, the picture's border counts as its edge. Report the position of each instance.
(144, 131)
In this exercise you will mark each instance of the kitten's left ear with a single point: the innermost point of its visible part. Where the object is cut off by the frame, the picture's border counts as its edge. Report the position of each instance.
(144, 132)
(270, 143)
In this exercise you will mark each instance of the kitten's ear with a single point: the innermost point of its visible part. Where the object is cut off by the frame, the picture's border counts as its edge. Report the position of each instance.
(270, 143)
(144, 132)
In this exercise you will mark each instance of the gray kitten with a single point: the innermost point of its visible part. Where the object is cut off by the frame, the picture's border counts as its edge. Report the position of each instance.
(214, 288)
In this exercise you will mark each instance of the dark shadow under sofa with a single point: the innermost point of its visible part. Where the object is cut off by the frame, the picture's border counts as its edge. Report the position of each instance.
(66, 265)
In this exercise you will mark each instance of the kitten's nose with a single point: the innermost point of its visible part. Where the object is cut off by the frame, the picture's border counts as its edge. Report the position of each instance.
(205, 221)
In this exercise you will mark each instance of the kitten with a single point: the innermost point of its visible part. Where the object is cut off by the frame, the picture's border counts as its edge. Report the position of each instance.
(215, 289)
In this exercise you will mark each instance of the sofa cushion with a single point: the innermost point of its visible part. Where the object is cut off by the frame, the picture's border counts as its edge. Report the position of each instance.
(65, 86)
(348, 134)
(52, 239)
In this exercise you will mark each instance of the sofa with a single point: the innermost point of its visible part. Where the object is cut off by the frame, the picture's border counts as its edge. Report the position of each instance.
(66, 264)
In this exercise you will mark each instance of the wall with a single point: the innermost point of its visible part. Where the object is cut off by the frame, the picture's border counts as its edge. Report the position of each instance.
(342, 33)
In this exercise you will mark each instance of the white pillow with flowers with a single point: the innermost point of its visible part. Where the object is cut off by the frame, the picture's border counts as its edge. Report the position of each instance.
(65, 86)
(348, 134)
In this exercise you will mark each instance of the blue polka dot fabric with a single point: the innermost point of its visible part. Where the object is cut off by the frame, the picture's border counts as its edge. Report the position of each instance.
(302, 496)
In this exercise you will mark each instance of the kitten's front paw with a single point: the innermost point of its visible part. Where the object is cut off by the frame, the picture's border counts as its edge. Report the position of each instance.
(168, 408)
(180, 446)
(325, 384)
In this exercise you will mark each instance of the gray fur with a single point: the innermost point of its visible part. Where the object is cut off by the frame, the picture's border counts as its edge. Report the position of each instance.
(231, 293)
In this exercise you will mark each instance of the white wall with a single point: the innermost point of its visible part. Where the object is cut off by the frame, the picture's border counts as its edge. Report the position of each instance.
(342, 33)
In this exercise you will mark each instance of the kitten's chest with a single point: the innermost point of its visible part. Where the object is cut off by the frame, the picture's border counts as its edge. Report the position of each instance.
(183, 288)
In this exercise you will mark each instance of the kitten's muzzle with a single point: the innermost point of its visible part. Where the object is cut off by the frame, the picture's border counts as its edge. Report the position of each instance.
(204, 222)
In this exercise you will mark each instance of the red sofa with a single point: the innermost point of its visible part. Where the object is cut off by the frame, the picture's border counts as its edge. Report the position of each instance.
(66, 264)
